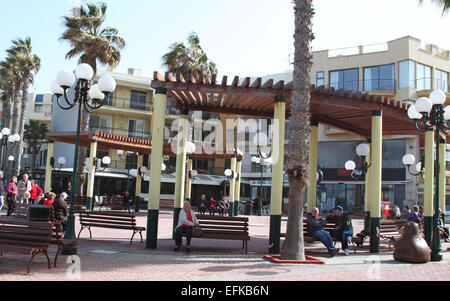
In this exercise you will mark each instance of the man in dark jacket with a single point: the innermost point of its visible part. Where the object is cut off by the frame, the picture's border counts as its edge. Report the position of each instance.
(60, 208)
(343, 227)
(315, 228)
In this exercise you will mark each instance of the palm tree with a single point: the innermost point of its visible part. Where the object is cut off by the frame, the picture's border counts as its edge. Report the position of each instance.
(91, 42)
(300, 129)
(189, 60)
(34, 135)
(7, 92)
(29, 65)
(445, 4)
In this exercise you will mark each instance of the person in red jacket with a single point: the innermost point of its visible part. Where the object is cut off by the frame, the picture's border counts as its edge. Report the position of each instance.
(35, 192)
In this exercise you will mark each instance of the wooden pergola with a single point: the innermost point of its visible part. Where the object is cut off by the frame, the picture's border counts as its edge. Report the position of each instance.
(340, 109)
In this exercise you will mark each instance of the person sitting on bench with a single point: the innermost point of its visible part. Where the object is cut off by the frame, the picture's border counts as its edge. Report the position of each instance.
(61, 209)
(212, 206)
(202, 205)
(344, 228)
(186, 222)
(315, 228)
(442, 229)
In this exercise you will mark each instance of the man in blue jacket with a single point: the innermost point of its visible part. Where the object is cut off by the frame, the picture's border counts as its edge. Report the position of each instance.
(315, 228)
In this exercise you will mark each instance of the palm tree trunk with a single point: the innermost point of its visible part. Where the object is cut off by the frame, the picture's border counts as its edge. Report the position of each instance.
(23, 116)
(300, 130)
(6, 115)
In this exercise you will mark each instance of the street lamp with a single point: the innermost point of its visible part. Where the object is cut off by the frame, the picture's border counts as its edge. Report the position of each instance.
(89, 98)
(429, 114)
(8, 142)
(409, 160)
(98, 163)
(263, 159)
(123, 156)
(362, 150)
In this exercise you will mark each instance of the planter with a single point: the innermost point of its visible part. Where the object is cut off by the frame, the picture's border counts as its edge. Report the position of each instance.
(309, 260)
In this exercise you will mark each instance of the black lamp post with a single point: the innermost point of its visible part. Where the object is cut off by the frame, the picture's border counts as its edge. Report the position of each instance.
(263, 159)
(123, 156)
(88, 98)
(8, 142)
(429, 115)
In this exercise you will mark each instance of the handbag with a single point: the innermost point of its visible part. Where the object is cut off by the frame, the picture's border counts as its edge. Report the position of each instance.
(196, 231)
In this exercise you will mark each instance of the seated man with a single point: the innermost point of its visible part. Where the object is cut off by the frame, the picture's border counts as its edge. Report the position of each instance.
(442, 229)
(212, 206)
(202, 205)
(223, 206)
(127, 201)
(344, 228)
(315, 228)
(414, 216)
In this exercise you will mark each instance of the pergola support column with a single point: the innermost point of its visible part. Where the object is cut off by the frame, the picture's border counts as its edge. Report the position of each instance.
(367, 187)
(238, 186)
(91, 175)
(276, 198)
(48, 167)
(180, 179)
(232, 186)
(429, 185)
(375, 178)
(159, 116)
(313, 160)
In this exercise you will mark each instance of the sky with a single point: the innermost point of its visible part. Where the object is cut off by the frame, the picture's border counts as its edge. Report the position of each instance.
(243, 37)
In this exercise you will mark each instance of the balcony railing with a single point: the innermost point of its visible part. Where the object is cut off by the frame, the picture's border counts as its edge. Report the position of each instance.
(122, 132)
(126, 103)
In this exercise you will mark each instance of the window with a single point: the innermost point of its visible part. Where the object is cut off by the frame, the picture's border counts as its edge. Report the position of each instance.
(136, 128)
(38, 108)
(423, 77)
(39, 98)
(407, 74)
(138, 100)
(344, 79)
(101, 123)
(320, 79)
(379, 78)
(441, 80)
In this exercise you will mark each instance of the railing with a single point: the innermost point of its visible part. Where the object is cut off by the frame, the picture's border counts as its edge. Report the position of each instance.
(125, 103)
(121, 132)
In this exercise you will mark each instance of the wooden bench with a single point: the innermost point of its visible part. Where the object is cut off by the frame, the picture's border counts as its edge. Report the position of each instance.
(116, 203)
(307, 237)
(24, 237)
(166, 203)
(112, 220)
(21, 210)
(227, 228)
(79, 204)
(389, 230)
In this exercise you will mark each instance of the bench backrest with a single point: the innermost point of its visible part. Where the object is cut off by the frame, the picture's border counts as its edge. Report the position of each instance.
(21, 210)
(392, 225)
(223, 225)
(108, 218)
(166, 203)
(19, 232)
(329, 226)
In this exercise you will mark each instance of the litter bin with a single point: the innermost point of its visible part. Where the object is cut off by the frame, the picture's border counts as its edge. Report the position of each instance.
(39, 213)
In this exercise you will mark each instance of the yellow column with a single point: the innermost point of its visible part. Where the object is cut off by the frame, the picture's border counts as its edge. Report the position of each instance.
(180, 166)
(429, 185)
(442, 179)
(91, 175)
(48, 167)
(276, 197)
(237, 191)
(313, 158)
(375, 178)
(188, 180)
(232, 185)
(367, 186)
(159, 116)
(140, 163)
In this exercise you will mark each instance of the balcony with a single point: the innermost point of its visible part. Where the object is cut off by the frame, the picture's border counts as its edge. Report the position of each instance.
(126, 103)
(122, 132)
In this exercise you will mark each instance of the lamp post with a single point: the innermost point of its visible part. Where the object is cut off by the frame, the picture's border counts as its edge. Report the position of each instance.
(123, 157)
(263, 159)
(429, 115)
(229, 174)
(8, 142)
(362, 150)
(89, 98)
(10, 159)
